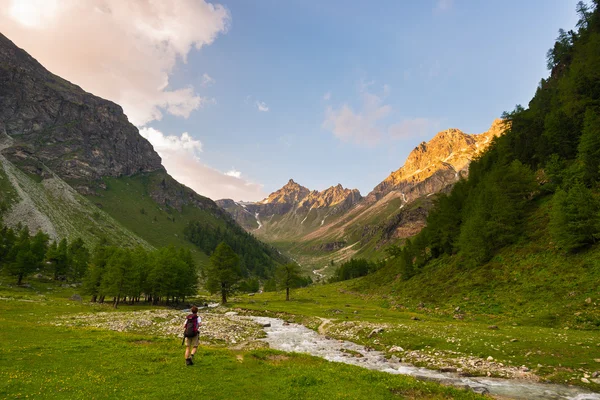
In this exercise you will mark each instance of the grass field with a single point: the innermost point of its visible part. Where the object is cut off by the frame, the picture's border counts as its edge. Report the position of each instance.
(39, 360)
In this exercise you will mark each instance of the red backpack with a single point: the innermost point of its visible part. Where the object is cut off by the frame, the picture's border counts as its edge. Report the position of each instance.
(191, 326)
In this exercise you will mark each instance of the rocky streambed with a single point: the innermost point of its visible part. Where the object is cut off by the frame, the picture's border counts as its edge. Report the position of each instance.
(290, 337)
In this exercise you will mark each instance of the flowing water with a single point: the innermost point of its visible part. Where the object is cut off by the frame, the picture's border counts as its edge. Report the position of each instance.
(299, 339)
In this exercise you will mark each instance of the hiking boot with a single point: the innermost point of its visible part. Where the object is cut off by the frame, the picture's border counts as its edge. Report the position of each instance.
(188, 361)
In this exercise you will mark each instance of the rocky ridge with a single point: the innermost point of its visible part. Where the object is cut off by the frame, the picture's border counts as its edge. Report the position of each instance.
(56, 124)
(433, 165)
(291, 206)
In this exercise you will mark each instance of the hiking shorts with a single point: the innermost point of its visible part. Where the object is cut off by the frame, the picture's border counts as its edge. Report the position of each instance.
(192, 341)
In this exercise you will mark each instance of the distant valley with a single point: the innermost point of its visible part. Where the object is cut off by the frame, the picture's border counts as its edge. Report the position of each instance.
(336, 224)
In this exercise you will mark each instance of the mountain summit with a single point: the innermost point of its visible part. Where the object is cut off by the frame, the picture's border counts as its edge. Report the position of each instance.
(433, 165)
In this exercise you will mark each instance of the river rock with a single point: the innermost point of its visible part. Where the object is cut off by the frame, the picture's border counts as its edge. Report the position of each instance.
(596, 374)
(375, 332)
(415, 318)
(480, 390)
(268, 325)
(76, 297)
(585, 380)
(396, 349)
(231, 313)
(514, 340)
(447, 369)
(490, 358)
(493, 327)
(588, 300)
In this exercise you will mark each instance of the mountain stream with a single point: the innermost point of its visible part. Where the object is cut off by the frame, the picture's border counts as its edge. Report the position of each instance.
(297, 338)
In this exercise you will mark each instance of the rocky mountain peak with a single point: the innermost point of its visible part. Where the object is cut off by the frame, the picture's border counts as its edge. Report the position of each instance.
(290, 193)
(446, 156)
(55, 123)
(330, 197)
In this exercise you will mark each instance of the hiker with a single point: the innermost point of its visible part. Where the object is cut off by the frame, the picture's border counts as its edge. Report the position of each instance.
(191, 335)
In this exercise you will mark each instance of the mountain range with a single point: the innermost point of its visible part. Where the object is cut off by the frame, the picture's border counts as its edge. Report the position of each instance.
(338, 223)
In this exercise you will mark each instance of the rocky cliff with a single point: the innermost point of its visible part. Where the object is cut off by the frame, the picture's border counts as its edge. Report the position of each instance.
(436, 164)
(74, 133)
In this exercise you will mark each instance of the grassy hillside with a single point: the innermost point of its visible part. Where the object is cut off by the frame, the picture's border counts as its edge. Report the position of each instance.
(52, 205)
(531, 281)
(360, 234)
(127, 199)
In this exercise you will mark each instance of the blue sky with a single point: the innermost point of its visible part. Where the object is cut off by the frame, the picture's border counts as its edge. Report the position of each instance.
(459, 65)
(347, 88)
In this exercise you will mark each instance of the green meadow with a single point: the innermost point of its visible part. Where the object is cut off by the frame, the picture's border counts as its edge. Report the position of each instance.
(41, 360)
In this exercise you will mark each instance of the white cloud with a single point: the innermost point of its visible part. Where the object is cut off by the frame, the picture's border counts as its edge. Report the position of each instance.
(262, 106)
(233, 172)
(444, 5)
(412, 128)
(180, 156)
(120, 50)
(327, 96)
(362, 126)
(207, 80)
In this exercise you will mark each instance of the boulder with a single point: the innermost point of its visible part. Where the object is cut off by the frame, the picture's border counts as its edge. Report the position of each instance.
(448, 369)
(76, 297)
(480, 390)
(375, 332)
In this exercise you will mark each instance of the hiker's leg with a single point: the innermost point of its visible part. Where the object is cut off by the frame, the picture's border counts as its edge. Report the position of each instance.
(194, 349)
(187, 352)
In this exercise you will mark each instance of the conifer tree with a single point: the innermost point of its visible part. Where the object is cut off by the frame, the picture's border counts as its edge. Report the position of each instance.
(574, 220)
(223, 271)
(589, 147)
(288, 276)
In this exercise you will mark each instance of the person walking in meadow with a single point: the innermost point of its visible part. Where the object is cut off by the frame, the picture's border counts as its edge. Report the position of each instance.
(191, 335)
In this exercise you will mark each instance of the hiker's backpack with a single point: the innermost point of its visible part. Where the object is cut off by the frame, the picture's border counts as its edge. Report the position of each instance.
(191, 326)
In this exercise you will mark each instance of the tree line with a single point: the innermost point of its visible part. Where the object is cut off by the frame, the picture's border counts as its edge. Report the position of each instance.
(355, 268)
(224, 275)
(255, 258)
(124, 274)
(22, 254)
(167, 274)
(551, 150)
